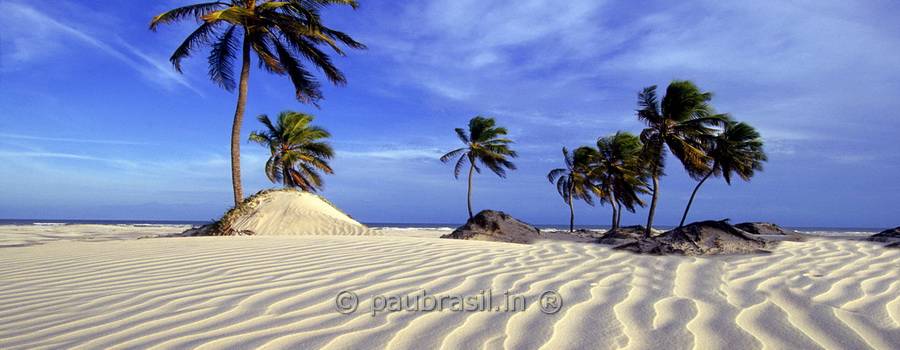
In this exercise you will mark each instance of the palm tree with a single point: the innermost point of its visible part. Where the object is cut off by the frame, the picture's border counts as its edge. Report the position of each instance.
(573, 182)
(484, 144)
(618, 168)
(738, 150)
(280, 33)
(681, 123)
(297, 150)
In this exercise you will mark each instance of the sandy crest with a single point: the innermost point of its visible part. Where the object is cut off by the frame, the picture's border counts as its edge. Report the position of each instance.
(291, 213)
(279, 292)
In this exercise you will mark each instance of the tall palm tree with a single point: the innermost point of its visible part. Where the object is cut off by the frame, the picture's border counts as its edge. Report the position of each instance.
(298, 153)
(280, 33)
(737, 150)
(618, 168)
(485, 144)
(681, 123)
(573, 181)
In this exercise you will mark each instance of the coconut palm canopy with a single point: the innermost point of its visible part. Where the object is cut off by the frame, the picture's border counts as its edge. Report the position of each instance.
(297, 150)
(737, 150)
(485, 144)
(619, 168)
(574, 182)
(282, 35)
(574, 179)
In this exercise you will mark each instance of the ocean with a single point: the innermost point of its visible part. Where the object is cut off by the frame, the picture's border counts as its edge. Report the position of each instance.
(818, 231)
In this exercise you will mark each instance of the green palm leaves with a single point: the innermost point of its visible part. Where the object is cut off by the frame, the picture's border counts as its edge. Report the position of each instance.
(613, 172)
(298, 153)
(281, 33)
(485, 144)
(621, 172)
(574, 181)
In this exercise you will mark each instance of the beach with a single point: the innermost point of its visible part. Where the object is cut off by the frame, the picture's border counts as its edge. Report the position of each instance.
(282, 292)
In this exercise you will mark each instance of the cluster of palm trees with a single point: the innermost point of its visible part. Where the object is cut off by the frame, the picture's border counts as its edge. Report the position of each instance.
(285, 36)
(623, 167)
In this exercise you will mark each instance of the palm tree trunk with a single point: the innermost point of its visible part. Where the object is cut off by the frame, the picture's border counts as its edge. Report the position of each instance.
(649, 228)
(613, 202)
(286, 175)
(690, 201)
(571, 213)
(236, 125)
(619, 217)
(469, 196)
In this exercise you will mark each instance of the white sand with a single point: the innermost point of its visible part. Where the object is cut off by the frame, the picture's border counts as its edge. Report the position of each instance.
(279, 292)
(26, 235)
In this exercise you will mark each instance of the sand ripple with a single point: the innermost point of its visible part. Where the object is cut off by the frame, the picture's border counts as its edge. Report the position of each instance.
(278, 292)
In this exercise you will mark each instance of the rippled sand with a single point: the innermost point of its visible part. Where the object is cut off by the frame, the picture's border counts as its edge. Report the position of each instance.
(279, 292)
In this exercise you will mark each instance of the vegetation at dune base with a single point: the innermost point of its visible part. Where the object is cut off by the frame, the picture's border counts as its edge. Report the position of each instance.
(573, 181)
(284, 36)
(623, 167)
(297, 152)
(485, 144)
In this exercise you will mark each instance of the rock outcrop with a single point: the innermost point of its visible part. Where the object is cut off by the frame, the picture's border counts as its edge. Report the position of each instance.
(496, 226)
(763, 228)
(622, 235)
(283, 212)
(700, 238)
(889, 235)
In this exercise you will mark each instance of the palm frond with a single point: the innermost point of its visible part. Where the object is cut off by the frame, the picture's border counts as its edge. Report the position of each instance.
(221, 59)
(198, 37)
(196, 11)
(305, 85)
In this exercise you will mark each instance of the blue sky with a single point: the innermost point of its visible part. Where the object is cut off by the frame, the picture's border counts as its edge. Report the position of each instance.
(95, 124)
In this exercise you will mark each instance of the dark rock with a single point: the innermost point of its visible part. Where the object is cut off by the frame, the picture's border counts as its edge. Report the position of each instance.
(763, 228)
(699, 238)
(496, 226)
(893, 245)
(622, 235)
(890, 235)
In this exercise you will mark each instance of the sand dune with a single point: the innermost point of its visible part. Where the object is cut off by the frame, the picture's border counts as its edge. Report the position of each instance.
(285, 212)
(279, 292)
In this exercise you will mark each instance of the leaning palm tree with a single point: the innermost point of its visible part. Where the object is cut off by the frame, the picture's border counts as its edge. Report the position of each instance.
(737, 150)
(282, 34)
(681, 123)
(573, 181)
(297, 152)
(485, 144)
(618, 168)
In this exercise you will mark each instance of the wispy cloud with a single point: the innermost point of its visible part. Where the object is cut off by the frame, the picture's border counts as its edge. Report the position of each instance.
(32, 34)
(74, 140)
(394, 154)
(32, 154)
